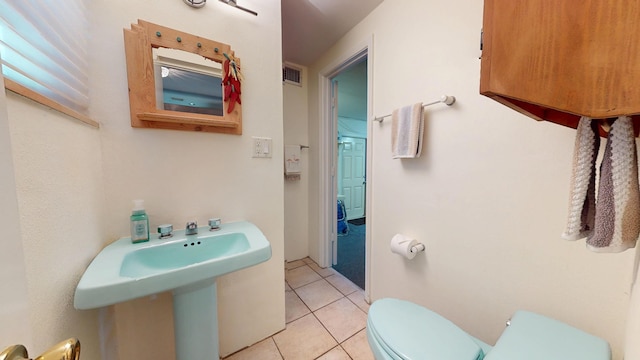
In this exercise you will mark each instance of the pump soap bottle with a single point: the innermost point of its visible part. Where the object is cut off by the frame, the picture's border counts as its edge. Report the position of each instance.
(139, 223)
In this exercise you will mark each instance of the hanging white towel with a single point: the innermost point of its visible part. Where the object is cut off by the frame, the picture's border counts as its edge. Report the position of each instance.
(617, 223)
(292, 166)
(407, 127)
(582, 197)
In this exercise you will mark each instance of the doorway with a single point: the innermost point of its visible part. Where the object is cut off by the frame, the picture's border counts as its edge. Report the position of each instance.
(328, 156)
(350, 114)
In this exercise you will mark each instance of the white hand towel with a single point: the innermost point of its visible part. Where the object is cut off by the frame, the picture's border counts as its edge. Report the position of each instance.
(582, 198)
(407, 126)
(292, 166)
(617, 223)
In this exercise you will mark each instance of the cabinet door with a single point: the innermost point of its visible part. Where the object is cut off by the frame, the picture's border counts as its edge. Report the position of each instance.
(556, 60)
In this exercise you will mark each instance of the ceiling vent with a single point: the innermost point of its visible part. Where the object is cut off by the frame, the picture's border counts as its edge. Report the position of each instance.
(291, 75)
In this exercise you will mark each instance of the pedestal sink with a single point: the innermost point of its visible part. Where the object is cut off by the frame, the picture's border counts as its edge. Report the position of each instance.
(187, 265)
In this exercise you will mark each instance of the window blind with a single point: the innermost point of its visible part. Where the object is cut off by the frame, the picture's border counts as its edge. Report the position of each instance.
(44, 48)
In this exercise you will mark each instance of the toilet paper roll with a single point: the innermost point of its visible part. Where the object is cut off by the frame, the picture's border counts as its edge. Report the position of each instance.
(402, 245)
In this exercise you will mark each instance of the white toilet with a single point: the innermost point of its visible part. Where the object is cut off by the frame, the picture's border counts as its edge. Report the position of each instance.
(401, 330)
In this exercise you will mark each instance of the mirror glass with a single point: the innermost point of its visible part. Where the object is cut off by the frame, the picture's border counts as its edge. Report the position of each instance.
(187, 82)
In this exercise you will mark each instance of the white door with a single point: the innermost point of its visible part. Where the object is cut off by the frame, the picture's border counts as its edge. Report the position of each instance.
(352, 175)
(334, 160)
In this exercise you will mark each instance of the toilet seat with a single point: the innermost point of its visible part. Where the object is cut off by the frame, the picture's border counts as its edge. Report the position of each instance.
(403, 330)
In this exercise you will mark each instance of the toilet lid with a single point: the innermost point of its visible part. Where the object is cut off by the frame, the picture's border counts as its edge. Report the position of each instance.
(412, 332)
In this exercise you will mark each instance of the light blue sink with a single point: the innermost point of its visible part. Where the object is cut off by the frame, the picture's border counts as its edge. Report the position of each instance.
(187, 265)
(183, 255)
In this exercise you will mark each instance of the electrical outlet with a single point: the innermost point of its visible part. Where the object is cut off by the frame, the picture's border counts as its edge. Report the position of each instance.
(261, 147)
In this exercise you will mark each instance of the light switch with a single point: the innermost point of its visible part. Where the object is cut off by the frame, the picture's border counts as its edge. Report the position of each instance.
(261, 147)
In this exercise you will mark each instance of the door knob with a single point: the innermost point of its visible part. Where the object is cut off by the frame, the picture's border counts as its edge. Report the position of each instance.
(15, 352)
(65, 350)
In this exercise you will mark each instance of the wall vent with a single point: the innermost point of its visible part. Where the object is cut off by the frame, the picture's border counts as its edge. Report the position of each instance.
(291, 75)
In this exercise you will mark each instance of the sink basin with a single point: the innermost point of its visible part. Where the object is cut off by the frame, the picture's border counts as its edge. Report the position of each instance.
(124, 271)
(186, 265)
(168, 258)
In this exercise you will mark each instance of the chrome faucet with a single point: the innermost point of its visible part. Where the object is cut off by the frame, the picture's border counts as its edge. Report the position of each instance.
(214, 224)
(191, 228)
(165, 231)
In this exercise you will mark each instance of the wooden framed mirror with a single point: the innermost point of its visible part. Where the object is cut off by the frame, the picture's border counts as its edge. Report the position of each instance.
(155, 55)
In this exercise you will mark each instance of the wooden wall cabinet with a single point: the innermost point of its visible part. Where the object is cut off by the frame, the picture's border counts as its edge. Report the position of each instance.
(556, 60)
(139, 44)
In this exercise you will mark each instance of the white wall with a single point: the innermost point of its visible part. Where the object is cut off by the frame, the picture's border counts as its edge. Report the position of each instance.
(60, 200)
(190, 175)
(296, 193)
(14, 309)
(489, 195)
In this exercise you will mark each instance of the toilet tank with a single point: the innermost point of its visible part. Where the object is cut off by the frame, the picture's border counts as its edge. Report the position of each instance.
(532, 336)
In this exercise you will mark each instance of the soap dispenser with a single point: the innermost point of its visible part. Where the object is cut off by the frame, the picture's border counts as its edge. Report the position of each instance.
(139, 223)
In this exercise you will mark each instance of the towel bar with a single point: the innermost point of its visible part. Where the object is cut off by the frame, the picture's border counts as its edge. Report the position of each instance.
(446, 99)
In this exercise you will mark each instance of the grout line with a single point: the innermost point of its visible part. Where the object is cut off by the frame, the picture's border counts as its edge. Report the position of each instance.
(303, 303)
(334, 338)
(329, 332)
(337, 346)
(277, 347)
(293, 268)
(358, 307)
(321, 278)
(333, 302)
(339, 289)
(314, 281)
(313, 312)
(352, 336)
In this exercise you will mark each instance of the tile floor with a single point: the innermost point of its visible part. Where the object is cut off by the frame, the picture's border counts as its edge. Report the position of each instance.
(326, 316)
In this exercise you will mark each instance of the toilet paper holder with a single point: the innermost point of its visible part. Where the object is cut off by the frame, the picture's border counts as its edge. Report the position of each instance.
(417, 248)
(406, 246)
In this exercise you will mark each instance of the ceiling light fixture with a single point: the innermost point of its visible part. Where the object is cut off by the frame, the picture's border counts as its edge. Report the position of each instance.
(235, 5)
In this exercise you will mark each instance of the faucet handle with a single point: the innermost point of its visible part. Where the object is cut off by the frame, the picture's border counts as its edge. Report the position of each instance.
(165, 231)
(214, 224)
(191, 228)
